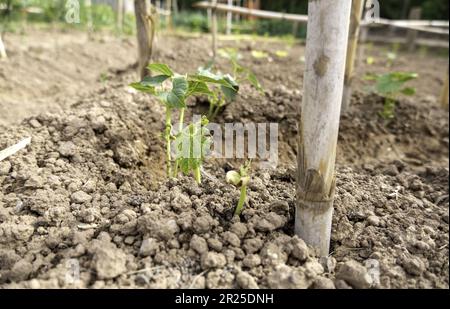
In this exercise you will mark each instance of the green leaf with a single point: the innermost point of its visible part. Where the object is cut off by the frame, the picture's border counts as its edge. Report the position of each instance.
(196, 87)
(392, 83)
(154, 81)
(143, 88)
(176, 98)
(229, 93)
(409, 91)
(254, 81)
(207, 76)
(161, 68)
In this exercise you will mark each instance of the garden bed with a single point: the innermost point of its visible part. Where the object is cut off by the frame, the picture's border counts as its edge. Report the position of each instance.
(91, 190)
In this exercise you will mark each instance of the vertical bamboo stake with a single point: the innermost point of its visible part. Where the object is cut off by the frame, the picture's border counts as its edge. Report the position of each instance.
(229, 18)
(214, 28)
(120, 12)
(90, 23)
(176, 8)
(444, 94)
(169, 14)
(145, 35)
(2, 48)
(326, 49)
(415, 14)
(357, 11)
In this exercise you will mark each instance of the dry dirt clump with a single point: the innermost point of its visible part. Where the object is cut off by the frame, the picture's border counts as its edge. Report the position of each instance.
(86, 206)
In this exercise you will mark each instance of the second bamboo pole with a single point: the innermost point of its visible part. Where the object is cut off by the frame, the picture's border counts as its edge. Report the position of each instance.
(355, 25)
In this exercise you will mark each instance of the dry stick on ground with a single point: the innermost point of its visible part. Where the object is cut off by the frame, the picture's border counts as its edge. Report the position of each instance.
(145, 26)
(326, 48)
(444, 94)
(415, 14)
(357, 11)
(214, 28)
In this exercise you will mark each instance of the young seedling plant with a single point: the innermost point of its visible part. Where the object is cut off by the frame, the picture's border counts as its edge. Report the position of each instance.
(390, 86)
(223, 94)
(240, 179)
(173, 91)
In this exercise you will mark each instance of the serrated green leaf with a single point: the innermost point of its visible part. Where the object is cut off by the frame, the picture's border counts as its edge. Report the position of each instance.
(161, 68)
(154, 81)
(143, 88)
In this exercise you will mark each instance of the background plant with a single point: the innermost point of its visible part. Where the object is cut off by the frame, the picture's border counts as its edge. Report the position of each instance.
(390, 86)
(227, 86)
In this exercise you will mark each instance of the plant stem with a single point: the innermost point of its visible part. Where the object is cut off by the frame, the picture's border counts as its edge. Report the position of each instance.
(168, 141)
(180, 128)
(241, 203)
(214, 115)
(211, 110)
(198, 175)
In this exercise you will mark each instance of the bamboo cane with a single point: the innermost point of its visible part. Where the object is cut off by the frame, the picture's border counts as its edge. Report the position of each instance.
(326, 48)
(229, 19)
(415, 13)
(145, 26)
(357, 11)
(214, 28)
(3, 54)
(444, 94)
(120, 12)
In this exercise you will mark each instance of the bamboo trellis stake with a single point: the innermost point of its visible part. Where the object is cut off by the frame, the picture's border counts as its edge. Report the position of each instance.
(90, 22)
(214, 27)
(169, 15)
(145, 26)
(229, 18)
(444, 94)
(120, 15)
(415, 13)
(3, 54)
(357, 11)
(326, 49)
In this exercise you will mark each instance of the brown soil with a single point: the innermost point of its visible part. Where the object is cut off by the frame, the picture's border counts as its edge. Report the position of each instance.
(91, 188)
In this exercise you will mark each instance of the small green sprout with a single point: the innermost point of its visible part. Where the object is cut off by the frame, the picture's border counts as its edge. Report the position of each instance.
(240, 180)
(390, 86)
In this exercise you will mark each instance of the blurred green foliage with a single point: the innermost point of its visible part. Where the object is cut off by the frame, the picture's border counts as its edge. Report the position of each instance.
(192, 19)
